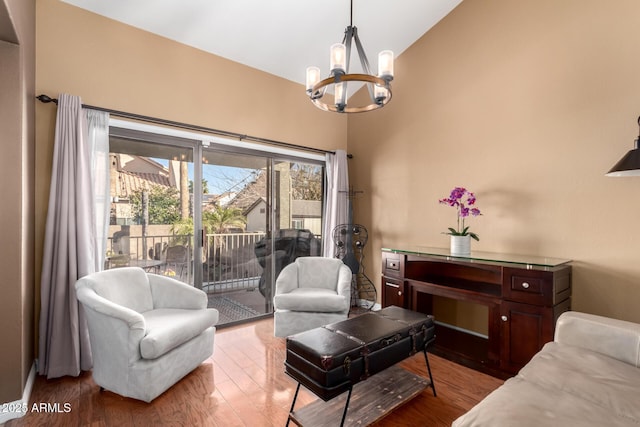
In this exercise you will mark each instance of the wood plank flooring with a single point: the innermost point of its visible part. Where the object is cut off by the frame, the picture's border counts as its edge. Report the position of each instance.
(244, 384)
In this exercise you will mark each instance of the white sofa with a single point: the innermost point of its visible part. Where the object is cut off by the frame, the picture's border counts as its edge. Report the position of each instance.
(146, 331)
(311, 292)
(588, 376)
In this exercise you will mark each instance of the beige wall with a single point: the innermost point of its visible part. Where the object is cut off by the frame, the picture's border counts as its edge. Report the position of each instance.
(528, 103)
(17, 77)
(116, 66)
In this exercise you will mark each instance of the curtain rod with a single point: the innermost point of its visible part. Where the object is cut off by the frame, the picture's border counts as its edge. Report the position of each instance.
(47, 99)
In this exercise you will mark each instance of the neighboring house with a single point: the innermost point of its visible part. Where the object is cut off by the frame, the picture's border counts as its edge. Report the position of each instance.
(300, 214)
(256, 215)
(130, 174)
(307, 215)
(218, 199)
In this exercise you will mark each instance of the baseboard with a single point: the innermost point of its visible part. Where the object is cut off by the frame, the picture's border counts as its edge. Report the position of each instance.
(19, 408)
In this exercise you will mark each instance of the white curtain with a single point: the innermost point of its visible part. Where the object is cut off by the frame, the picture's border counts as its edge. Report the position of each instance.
(71, 244)
(98, 130)
(337, 200)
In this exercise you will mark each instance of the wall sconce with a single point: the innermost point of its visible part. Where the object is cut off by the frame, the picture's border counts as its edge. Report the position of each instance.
(629, 165)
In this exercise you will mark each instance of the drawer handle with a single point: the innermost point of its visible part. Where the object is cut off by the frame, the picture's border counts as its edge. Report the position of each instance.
(504, 318)
(525, 285)
(399, 293)
(393, 285)
(393, 264)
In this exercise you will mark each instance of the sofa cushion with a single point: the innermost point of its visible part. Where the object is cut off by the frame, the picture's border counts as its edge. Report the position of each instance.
(525, 404)
(605, 382)
(168, 328)
(310, 299)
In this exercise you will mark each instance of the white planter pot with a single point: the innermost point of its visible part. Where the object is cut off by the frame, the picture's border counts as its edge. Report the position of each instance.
(460, 245)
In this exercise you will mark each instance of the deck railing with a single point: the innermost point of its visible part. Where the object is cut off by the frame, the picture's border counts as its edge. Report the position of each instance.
(228, 260)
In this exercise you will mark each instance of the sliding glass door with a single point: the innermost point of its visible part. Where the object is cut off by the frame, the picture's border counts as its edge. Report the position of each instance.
(151, 221)
(220, 218)
(258, 214)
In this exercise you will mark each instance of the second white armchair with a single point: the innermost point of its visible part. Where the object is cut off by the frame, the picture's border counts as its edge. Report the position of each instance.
(311, 292)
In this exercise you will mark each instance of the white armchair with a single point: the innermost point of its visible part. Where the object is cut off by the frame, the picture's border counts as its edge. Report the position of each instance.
(146, 331)
(311, 292)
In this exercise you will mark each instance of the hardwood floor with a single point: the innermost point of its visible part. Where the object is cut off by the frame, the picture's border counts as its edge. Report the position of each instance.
(243, 384)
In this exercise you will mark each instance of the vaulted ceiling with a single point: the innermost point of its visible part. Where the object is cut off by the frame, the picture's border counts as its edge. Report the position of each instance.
(280, 37)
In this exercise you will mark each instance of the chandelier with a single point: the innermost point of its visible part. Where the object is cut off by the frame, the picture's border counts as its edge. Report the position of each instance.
(379, 86)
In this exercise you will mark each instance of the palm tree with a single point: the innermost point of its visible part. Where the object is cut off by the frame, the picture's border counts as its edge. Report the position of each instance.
(221, 219)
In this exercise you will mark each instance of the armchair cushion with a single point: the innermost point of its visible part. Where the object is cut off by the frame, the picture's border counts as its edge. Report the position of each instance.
(167, 328)
(169, 293)
(311, 299)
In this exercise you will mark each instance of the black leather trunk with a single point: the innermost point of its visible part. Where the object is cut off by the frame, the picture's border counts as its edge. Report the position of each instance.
(330, 359)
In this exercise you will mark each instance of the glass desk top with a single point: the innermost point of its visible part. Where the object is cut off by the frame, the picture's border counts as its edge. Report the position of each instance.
(528, 261)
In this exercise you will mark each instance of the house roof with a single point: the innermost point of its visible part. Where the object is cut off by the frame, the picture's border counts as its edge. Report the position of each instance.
(130, 182)
(251, 193)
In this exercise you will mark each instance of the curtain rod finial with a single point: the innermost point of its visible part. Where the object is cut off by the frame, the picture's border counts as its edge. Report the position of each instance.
(46, 99)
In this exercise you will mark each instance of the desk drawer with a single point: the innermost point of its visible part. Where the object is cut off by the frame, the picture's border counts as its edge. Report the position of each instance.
(529, 285)
(392, 265)
(537, 287)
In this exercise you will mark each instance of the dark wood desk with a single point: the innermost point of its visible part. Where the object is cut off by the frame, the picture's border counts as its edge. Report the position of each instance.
(524, 297)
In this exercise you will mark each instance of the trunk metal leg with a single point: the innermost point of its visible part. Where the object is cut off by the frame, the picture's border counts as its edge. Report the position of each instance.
(295, 397)
(426, 358)
(346, 406)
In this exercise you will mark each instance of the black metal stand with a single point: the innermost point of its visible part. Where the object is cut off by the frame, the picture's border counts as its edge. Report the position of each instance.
(344, 413)
(426, 359)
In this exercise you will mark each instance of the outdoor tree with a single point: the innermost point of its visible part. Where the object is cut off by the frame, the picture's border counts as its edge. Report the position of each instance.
(221, 219)
(164, 205)
(205, 186)
(306, 181)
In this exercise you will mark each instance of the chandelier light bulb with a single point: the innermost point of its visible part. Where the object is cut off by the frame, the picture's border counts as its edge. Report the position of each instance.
(380, 93)
(385, 65)
(340, 95)
(313, 77)
(338, 58)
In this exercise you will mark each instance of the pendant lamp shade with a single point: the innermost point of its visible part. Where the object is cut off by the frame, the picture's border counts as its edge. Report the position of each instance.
(629, 165)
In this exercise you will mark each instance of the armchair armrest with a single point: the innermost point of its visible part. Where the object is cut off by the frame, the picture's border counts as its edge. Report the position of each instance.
(614, 338)
(287, 279)
(345, 277)
(90, 299)
(170, 293)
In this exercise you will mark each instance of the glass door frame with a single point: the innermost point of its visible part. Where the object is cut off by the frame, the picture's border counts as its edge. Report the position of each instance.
(198, 143)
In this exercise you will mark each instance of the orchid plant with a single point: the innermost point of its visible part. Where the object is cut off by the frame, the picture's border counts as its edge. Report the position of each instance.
(464, 201)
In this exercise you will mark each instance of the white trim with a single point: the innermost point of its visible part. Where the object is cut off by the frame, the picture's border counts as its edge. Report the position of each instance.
(466, 331)
(22, 403)
(207, 139)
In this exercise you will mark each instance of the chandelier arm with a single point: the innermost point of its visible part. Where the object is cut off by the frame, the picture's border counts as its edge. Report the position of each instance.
(361, 54)
(364, 62)
(349, 32)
